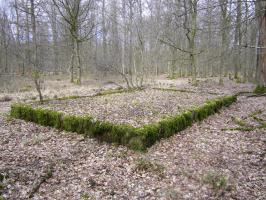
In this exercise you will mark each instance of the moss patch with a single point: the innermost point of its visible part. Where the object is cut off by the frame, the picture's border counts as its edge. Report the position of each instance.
(216, 180)
(260, 89)
(135, 138)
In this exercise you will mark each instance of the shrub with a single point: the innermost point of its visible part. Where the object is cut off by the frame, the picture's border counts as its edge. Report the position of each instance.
(15, 111)
(135, 138)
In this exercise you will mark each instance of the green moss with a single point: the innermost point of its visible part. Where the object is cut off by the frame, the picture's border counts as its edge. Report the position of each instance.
(149, 134)
(143, 164)
(121, 134)
(257, 112)
(260, 89)
(136, 144)
(188, 117)
(216, 180)
(15, 110)
(115, 91)
(174, 90)
(87, 125)
(135, 138)
(240, 122)
(73, 124)
(167, 127)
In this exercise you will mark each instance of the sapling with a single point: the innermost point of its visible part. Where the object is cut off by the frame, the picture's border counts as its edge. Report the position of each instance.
(38, 82)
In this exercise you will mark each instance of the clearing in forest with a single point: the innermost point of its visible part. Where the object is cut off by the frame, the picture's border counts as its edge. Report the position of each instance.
(135, 108)
(136, 119)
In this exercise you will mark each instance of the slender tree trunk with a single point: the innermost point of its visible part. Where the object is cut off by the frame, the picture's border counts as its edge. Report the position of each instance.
(72, 61)
(238, 39)
(104, 31)
(209, 63)
(223, 5)
(79, 62)
(36, 74)
(192, 41)
(131, 61)
(20, 66)
(124, 42)
(27, 50)
(55, 40)
(34, 34)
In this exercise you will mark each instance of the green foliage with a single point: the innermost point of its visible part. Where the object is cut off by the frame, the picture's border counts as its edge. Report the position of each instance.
(216, 180)
(68, 97)
(135, 138)
(257, 112)
(73, 124)
(2, 186)
(111, 91)
(240, 79)
(64, 98)
(174, 90)
(136, 144)
(240, 122)
(143, 164)
(15, 111)
(260, 89)
(26, 88)
(149, 134)
(85, 196)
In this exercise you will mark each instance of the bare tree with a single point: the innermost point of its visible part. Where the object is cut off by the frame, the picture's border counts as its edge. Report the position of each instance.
(224, 24)
(76, 14)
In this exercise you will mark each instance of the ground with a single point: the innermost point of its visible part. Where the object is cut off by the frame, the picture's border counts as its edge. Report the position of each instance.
(223, 157)
(136, 108)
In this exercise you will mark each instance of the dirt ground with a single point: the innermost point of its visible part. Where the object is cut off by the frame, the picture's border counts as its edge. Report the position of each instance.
(218, 158)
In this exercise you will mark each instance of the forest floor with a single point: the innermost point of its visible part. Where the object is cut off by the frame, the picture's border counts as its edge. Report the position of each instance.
(222, 157)
(136, 108)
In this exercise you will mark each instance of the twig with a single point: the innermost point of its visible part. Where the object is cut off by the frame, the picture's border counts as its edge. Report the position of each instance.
(257, 95)
(47, 173)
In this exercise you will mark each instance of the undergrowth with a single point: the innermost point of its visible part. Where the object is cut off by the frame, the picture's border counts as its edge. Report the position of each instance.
(260, 89)
(245, 126)
(143, 164)
(216, 180)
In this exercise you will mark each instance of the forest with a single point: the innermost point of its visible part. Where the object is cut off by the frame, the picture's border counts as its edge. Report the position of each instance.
(132, 99)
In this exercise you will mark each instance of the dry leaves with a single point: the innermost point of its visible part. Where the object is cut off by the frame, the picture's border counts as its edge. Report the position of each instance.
(87, 169)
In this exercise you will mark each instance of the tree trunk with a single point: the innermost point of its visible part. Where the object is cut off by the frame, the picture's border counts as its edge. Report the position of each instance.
(104, 31)
(261, 48)
(192, 41)
(223, 5)
(79, 62)
(238, 40)
(55, 39)
(72, 61)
